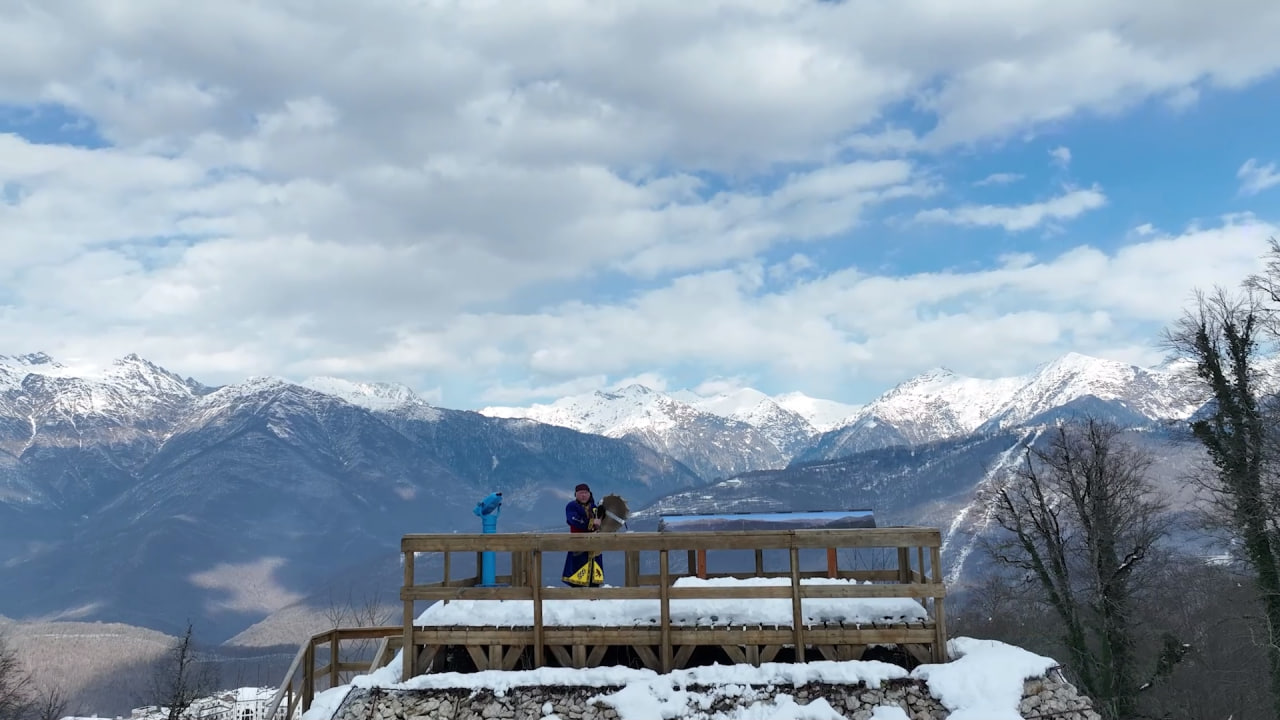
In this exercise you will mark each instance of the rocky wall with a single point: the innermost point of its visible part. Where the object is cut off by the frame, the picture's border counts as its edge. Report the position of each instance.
(1043, 698)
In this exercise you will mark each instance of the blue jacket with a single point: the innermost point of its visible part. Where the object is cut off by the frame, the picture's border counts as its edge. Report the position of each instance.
(576, 515)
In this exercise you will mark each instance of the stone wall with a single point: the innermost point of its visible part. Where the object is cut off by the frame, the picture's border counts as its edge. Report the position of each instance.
(1043, 698)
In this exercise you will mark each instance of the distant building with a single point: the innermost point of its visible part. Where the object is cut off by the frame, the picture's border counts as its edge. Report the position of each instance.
(246, 703)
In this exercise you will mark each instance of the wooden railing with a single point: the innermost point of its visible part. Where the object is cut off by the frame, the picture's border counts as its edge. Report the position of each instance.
(909, 576)
(299, 685)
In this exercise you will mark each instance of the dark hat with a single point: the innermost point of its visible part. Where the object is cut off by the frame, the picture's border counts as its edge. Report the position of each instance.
(582, 486)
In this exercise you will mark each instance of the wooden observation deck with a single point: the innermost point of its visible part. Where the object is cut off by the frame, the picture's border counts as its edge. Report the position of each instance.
(886, 563)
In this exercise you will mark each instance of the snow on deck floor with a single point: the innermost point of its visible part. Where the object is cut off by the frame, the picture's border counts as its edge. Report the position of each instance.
(984, 681)
(629, 613)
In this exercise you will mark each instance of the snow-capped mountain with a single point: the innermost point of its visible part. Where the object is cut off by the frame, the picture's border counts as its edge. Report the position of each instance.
(125, 483)
(787, 429)
(823, 415)
(712, 445)
(941, 405)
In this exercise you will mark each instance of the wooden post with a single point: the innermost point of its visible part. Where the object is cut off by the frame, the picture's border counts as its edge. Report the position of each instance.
(537, 609)
(759, 562)
(447, 555)
(797, 614)
(408, 650)
(833, 564)
(702, 564)
(692, 563)
(664, 608)
(904, 565)
(632, 578)
(309, 675)
(333, 658)
(939, 609)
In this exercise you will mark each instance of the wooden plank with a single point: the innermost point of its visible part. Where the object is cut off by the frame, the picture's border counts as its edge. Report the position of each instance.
(653, 541)
(769, 652)
(478, 657)
(702, 563)
(648, 657)
(562, 655)
(309, 677)
(851, 652)
(286, 687)
(833, 563)
(664, 609)
(407, 669)
(797, 616)
(597, 654)
(427, 658)
(430, 592)
(512, 657)
(648, 592)
(939, 609)
(495, 656)
(922, 654)
(579, 656)
(365, 633)
(735, 653)
(632, 575)
(828, 652)
(691, 563)
(904, 565)
(759, 562)
(536, 590)
(335, 657)
(695, 635)
(682, 655)
(752, 652)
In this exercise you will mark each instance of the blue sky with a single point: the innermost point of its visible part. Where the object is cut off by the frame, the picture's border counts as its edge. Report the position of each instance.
(565, 197)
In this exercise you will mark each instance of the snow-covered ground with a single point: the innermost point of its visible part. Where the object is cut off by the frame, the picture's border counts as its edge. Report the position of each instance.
(983, 681)
(630, 613)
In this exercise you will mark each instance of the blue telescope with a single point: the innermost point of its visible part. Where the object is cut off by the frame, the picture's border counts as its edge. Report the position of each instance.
(487, 510)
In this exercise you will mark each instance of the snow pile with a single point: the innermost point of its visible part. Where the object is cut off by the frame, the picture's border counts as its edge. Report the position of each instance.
(630, 613)
(985, 681)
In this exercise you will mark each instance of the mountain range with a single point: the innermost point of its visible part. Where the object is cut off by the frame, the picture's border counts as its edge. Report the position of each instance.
(132, 494)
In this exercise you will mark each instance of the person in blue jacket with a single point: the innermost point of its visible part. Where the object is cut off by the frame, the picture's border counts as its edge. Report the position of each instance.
(582, 517)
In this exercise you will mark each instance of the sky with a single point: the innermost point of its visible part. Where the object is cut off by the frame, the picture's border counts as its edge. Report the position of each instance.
(501, 204)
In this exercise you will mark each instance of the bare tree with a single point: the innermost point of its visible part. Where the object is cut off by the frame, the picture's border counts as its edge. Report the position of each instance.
(1227, 336)
(181, 678)
(1081, 518)
(49, 704)
(367, 611)
(15, 684)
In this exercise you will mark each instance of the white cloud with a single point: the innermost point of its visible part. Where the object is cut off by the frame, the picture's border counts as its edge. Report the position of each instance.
(400, 190)
(1003, 178)
(1254, 177)
(1016, 218)
(1060, 156)
(854, 326)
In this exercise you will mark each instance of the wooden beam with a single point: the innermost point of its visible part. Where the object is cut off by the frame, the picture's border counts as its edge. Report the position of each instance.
(536, 590)
(512, 657)
(648, 657)
(478, 657)
(407, 669)
(683, 654)
(724, 540)
(664, 609)
(939, 609)
(797, 616)
(562, 655)
(596, 655)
